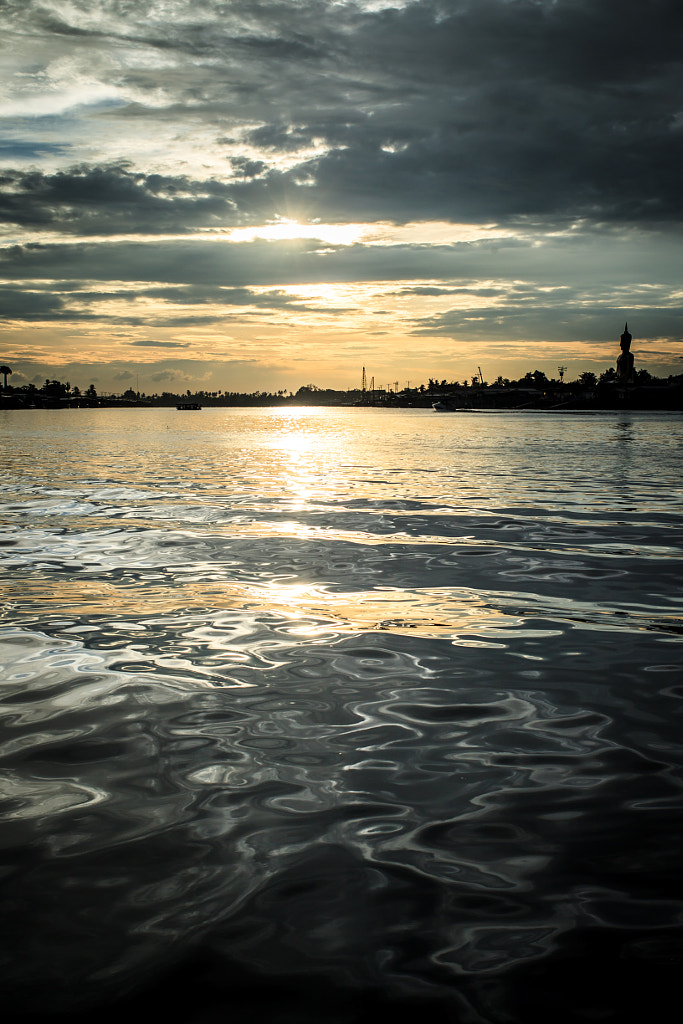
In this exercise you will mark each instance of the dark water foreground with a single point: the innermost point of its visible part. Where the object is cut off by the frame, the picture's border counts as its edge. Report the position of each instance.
(332, 715)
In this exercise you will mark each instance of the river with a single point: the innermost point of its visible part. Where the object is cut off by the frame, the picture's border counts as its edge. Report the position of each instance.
(327, 714)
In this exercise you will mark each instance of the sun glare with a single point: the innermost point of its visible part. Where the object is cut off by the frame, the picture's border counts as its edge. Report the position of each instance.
(285, 228)
(377, 233)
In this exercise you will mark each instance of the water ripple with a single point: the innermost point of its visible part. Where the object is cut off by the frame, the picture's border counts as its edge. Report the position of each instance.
(407, 722)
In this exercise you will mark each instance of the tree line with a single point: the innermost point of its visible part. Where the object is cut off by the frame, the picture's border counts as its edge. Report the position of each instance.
(55, 393)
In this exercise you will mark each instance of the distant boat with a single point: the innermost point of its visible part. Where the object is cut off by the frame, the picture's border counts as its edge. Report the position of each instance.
(444, 405)
(185, 406)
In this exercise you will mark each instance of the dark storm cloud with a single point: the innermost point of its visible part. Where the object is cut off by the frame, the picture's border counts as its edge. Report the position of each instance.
(111, 200)
(462, 110)
(521, 108)
(484, 109)
(509, 109)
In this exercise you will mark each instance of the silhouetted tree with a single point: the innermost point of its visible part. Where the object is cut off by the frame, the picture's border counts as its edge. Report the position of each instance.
(535, 379)
(54, 389)
(588, 379)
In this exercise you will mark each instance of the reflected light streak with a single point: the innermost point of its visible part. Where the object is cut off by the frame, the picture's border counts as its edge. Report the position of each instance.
(311, 610)
(298, 437)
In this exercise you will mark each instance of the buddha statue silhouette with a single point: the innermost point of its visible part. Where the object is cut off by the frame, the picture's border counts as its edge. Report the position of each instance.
(625, 362)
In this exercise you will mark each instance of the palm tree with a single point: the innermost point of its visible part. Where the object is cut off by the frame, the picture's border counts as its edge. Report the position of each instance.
(5, 370)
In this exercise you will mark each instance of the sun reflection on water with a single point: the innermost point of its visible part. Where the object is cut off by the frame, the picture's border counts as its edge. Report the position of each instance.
(300, 440)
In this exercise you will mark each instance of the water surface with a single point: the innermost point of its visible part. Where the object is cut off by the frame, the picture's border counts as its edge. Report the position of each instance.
(321, 714)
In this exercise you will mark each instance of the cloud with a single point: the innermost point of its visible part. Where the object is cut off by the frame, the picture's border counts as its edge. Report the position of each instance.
(162, 375)
(466, 110)
(111, 200)
(160, 344)
(29, 304)
(217, 295)
(31, 150)
(560, 122)
(626, 256)
(564, 322)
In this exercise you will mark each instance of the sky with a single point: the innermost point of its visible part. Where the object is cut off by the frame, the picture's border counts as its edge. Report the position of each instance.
(206, 194)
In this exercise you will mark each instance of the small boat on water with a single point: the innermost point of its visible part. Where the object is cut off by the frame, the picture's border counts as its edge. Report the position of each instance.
(185, 406)
(444, 405)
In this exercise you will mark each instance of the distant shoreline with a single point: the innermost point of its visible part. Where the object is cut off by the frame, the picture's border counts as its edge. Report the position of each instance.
(588, 410)
(653, 395)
